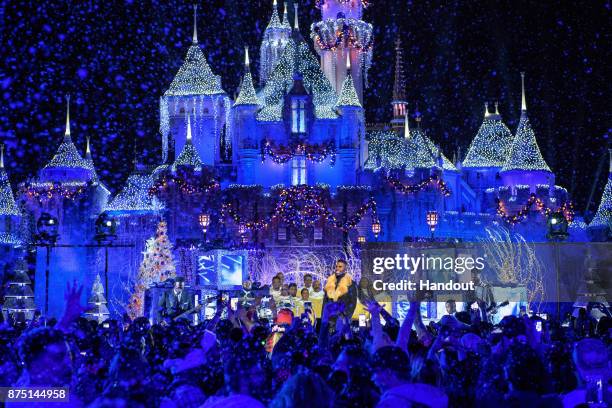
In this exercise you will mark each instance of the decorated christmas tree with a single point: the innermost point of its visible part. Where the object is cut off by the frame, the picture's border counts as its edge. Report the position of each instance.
(19, 298)
(157, 266)
(97, 303)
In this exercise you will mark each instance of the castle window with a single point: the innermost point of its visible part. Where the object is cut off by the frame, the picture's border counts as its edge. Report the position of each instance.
(298, 171)
(298, 116)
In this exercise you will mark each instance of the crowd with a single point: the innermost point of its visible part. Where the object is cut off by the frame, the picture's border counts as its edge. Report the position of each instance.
(231, 361)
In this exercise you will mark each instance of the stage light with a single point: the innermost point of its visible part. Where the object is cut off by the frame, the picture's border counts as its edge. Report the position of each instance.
(557, 226)
(361, 239)
(106, 228)
(47, 226)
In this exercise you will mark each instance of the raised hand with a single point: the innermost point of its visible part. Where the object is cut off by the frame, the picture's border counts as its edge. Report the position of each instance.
(72, 305)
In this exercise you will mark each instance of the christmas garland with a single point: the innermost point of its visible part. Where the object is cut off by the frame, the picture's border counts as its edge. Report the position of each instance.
(567, 209)
(301, 207)
(48, 191)
(185, 186)
(319, 3)
(420, 186)
(314, 153)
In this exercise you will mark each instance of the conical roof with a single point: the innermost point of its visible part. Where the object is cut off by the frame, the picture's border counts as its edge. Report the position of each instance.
(603, 216)
(67, 156)
(386, 150)
(135, 197)
(275, 22)
(348, 93)
(423, 153)
(195, 77)
(8, 206)
(525, 153)
(189, 156)
(491, 145)
(247, 95)
(297, 58)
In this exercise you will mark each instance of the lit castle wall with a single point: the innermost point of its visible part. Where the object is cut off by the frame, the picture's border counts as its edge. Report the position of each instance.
(288, 164)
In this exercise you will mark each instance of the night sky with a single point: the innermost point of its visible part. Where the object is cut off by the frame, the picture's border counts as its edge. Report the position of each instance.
(116, 58)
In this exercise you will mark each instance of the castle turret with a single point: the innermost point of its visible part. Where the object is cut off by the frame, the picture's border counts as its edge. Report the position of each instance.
(525, 164)
(245, 132)
(342, 33)
(487, 153)
(197, 89)
(189, 157)
(399, 89)
(275, 40)
(351, 130)
(67, 165)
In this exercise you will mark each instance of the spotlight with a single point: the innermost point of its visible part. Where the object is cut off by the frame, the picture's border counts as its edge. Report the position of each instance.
(47, 226)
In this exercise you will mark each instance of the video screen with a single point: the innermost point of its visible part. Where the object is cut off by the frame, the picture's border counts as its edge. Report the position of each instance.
(207, 271)
(231, 270)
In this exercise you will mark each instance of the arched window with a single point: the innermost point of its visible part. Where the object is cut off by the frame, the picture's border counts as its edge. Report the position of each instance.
(298, 116)
(298, 170)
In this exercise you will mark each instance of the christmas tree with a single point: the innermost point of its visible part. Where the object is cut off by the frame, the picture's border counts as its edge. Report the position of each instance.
(157, 266)
(19, 298)
(98, 310)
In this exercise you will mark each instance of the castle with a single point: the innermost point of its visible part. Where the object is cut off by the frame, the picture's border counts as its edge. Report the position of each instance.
(287, 164)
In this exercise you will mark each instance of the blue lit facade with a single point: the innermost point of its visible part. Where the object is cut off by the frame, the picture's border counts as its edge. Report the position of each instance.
(303, 130)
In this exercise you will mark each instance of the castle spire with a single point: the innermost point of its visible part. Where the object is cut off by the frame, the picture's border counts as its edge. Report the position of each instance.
(1, 156)
(88, 149)
(285, 16)
(67, 134)
(496, 108)
(399, 93)
(189, 128)
(274, 20)
(406, 127)
(399, 85)
(189, 157)
(296, 24)
(523, 101)
(247, 94)
(195, 24)
(487, 109)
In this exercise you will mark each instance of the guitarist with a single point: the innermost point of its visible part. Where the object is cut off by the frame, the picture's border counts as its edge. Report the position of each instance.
(177, 303)
(483, 295)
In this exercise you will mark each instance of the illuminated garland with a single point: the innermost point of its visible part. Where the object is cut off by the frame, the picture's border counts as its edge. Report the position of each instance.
(311, 209)
(48, 191)
(420, 186)
(184, 186)
(364, 3)
(314, 153)
(567, 209)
